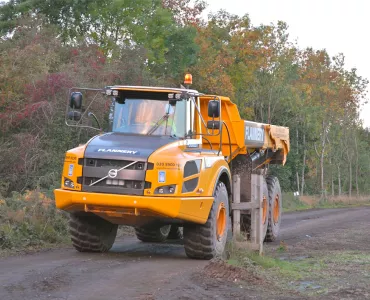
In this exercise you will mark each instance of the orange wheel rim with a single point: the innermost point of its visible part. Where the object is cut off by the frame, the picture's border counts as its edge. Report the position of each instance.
(221, 220)
(276, 209)
(264, 209)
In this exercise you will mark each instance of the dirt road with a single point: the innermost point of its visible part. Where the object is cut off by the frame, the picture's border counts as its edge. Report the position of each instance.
(134, 270)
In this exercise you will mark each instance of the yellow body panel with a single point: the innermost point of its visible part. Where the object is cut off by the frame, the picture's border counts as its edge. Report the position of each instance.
(191, 206)
(172, 159)
(230, 115)
(193, 209)
(71, 159)
(276, 137)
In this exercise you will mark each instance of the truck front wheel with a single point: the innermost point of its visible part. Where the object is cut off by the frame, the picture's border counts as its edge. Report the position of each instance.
(208, 241)
(91, 233)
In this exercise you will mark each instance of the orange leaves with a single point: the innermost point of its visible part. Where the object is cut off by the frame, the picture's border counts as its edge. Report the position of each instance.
(324, 83)
(37, 197)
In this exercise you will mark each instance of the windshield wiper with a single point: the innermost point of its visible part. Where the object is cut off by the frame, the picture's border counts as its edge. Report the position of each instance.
(156, 125)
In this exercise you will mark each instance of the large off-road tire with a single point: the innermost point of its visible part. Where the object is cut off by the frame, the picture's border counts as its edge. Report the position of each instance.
(275, 199)
(176, 233)
(265, 209)
(245, 219)
(91, 233)
(208, 241)
(153, 234)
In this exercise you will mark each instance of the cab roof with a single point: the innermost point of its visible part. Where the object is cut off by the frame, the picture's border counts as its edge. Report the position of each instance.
(151, 89)
(155, 89)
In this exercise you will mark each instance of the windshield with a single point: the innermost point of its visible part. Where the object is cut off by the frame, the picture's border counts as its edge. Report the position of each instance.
(150, 117)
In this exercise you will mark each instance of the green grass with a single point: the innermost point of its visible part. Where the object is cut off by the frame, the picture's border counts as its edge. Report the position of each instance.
(292, 203)
(311, 273)
(287, 269)
(349, 258)
(324, 204)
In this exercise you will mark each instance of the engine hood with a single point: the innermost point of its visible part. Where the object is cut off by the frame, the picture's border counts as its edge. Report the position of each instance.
(120, 146)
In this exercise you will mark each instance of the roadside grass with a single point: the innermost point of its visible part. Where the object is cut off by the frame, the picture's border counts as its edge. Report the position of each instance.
(297, 203)
(310, 273)
(293, 203)
(31, 221)
(295, 269)
(301, 274)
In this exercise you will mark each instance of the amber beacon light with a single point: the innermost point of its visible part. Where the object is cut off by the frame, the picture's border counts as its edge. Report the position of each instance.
(188, 79)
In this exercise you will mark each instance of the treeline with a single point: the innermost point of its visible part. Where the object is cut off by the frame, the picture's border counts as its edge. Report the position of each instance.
(48, 46)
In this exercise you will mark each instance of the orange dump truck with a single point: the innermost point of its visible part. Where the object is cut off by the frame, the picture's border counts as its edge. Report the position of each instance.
(165, 166)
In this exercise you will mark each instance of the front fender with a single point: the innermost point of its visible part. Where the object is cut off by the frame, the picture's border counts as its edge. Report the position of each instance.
(220, 171)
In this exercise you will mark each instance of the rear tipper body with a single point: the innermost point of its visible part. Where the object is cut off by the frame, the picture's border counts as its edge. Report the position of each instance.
(163, 183)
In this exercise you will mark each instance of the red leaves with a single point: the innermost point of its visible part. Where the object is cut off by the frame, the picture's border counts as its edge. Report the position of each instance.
(37, 95)
(47, 88)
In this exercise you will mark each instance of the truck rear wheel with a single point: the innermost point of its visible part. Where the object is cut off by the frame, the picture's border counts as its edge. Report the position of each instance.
(91, 233)
(208, 241)
(275, 201)
(265, 209)
(246, 219)
(153, 234)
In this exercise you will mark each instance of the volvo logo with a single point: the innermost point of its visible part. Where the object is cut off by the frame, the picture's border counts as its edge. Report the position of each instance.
(113, 173)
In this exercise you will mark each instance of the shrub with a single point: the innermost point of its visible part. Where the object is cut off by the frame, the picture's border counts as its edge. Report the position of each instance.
(31, 219)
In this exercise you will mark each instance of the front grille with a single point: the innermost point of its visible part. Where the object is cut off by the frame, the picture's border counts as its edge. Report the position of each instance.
(113, 163)
(128, 181)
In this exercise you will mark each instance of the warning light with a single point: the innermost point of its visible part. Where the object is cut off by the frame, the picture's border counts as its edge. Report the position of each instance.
(188, 79)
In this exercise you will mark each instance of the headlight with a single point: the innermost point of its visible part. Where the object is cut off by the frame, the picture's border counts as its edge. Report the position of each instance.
(168, 189)
(69, 183)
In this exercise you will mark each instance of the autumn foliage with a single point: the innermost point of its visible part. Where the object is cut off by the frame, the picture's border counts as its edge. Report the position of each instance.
(46, 49)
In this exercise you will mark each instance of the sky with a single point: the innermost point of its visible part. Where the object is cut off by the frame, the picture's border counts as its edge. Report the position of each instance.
(339, 26)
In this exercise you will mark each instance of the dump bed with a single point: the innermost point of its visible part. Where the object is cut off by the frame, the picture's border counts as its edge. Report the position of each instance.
(265, 137)
(270, 143)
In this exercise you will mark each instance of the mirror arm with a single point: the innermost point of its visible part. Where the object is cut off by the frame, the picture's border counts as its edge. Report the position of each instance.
(96, 119)
(201, 117)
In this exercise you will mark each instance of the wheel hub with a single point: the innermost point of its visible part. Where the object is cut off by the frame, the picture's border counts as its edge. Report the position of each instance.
(264, 210)
(276, 212)
(221, 220)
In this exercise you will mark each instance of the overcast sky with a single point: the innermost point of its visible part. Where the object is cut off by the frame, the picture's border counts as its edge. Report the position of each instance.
(336, 25)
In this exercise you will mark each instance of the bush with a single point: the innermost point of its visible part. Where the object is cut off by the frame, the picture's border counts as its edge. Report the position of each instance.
(29, 220)
(292, 203)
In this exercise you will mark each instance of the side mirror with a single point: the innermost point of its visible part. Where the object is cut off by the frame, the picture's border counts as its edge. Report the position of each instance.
(76, 100)
(214, 109)
(74, 115)
(214, 125)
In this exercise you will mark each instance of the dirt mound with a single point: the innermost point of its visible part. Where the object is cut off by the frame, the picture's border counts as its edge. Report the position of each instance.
(349, 293)
(219, 269)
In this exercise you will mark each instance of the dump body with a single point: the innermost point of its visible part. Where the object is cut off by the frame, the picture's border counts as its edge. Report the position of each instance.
(248, 137)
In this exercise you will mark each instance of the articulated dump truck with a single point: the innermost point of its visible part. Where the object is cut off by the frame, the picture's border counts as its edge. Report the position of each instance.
(165, 166)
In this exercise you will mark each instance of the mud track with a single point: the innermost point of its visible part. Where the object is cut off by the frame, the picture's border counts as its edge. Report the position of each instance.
(134, 270)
